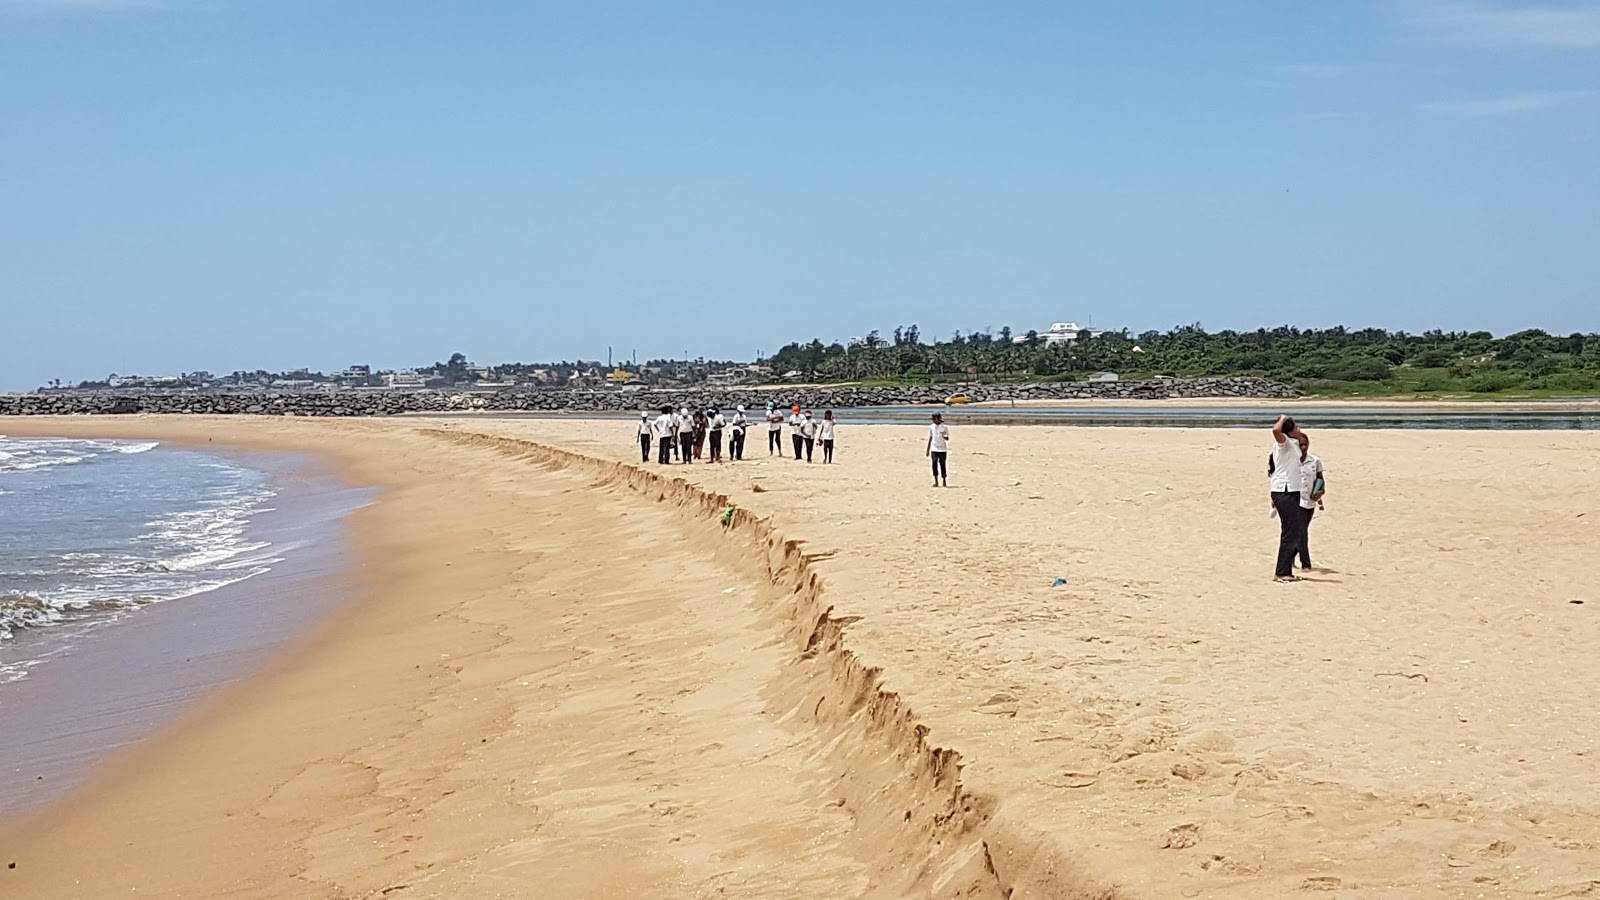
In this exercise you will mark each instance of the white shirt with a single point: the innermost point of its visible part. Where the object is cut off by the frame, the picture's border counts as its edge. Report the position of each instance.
(1286, 465)
(1309, 470)
(794, 423)
(774, 421)
(826, 426)
(808, 427)
(739, 421)
(666, 424)
(686, 424)
(717, 422)
(939, 437)
(644, 427)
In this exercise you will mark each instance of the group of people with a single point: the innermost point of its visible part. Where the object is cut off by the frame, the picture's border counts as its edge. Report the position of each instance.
(683, 436)
(1298, 483)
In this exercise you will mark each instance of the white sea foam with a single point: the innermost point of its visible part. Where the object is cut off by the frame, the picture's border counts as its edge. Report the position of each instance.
(28, 454)
(183, 553)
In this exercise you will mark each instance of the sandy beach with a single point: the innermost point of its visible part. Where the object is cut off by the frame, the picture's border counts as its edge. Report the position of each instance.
(565, 676)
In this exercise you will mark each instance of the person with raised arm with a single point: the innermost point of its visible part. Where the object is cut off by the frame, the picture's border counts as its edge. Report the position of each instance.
(1286, 481)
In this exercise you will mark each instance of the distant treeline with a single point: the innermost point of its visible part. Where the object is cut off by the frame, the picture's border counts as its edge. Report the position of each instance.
(1365, 360)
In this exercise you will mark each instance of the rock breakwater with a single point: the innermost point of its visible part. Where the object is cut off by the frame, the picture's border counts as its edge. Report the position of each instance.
(388, 403)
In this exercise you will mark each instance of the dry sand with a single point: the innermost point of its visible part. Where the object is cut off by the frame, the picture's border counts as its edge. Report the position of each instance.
(545, 691)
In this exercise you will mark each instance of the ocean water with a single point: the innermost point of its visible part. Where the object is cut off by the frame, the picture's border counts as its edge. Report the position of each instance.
(91, 531)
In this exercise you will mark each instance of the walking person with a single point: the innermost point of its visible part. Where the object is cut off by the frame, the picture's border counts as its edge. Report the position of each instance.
(644, 436)
(808, 433)
(774, 429)
(715, 424)
(825, 434)
(939, 450)
(666, 428)
(1286, 483)
(1313, 485)
(736, 431)
(795, 420)
(685, 435)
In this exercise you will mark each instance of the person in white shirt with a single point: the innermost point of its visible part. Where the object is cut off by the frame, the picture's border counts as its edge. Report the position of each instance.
(795, 420)
(644, 436)
(1286, 481)
(825, 434)
(715, 423)
(1312, 486)
(666, 427)
(808, 433)
(774, 429)
(939, 450)
(736, 434)
(685, 435)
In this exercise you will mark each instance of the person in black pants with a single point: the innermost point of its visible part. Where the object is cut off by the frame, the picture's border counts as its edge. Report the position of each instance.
(644, 437)
(736, 436)
(795, 420)
(666, 436)
(715, 423)
(1286, 479)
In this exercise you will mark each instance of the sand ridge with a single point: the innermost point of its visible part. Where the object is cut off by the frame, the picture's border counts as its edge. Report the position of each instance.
(1413, 724)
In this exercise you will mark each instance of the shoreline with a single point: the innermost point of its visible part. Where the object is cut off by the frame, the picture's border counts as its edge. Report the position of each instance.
(371, 724)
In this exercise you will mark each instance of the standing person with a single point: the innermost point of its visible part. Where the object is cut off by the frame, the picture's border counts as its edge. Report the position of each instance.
(699, 434)
(685, 435)
(1312, 486)
(1286, 482)
(715, 423)
(939, 450)
(808, 433)
(644, 436)
(825, 432)
(774, 429)
(794, 431)
(666, 426)
(740, 423)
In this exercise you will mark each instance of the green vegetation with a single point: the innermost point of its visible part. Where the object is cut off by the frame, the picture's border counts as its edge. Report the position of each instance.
(1333, 362)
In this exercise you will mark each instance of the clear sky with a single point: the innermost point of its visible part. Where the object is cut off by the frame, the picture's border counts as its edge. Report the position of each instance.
(221, 184)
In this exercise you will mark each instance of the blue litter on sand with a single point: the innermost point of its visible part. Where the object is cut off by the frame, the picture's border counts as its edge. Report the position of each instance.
(1059, 582)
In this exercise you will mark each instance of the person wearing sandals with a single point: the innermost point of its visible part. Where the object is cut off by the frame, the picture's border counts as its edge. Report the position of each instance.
(1286, 483)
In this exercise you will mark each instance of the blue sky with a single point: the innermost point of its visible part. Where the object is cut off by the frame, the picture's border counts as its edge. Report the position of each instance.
(225, 184)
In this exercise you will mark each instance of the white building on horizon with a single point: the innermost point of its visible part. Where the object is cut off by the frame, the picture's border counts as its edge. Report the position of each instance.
(1059, 333)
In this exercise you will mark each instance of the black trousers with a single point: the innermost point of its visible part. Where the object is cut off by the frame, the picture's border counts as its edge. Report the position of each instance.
(1305, 536)
(941, 465)
(716, 444)
(811, 444)
(686, 446)
(799, 444)
(664, 450)
(736, 444)
(644, 448)
(827, 450)
(774, 443)
(1291, 530)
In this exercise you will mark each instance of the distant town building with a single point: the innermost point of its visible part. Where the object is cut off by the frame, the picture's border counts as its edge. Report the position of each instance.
(1059, 333)
(405, 380)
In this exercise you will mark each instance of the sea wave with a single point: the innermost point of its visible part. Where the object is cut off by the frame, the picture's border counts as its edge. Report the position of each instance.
(29, 454)
(191, 550)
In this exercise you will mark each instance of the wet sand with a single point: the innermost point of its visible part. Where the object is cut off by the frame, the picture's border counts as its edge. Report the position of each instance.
(545, 691)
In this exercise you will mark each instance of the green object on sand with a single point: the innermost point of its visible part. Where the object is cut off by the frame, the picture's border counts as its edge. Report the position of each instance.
(727, 517)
